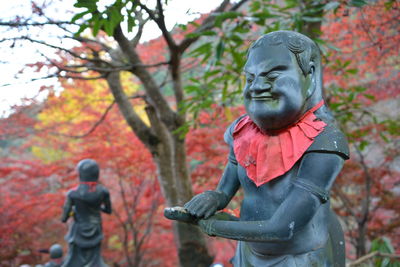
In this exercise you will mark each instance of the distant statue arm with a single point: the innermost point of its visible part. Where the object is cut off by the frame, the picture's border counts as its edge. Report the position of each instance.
(67, 209)
(319, 170)
(106, 207)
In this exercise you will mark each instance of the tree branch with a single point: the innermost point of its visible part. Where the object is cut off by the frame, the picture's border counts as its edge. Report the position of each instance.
(142, 22)
(346, 202)
(368, 183)
(88, 40)
(59, 48)
(156, 99)
(94, 127)
(20, 24)
(143, 132)
(371, 255)
(208, 23)
(160, 21)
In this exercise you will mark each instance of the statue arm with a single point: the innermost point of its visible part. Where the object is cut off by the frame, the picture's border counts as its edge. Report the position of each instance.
(106, 207)
(318, 170)
(67, 209)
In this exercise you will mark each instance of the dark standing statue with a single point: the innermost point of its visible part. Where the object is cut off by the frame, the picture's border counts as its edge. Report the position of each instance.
(86, 202)
(285, 154)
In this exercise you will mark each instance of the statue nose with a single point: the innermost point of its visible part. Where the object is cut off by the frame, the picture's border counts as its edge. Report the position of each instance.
(260, 86)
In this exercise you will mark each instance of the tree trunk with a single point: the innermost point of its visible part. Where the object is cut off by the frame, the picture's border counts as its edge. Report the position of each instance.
(175, 182)
(360, 247)
(169, 154)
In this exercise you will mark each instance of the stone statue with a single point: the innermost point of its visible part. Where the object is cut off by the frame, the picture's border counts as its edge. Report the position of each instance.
(56, 254)
(86, 202)
(285, 154)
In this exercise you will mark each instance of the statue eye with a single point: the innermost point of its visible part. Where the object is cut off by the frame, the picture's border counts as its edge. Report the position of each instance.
(273, 75)
(249, 78)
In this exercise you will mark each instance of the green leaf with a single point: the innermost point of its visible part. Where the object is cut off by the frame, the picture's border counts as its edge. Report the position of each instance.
(254, 6)
(311, 19)
(352, 71)
(91, 5)
(211, 73)
(363, 145)
(224, 16)
(208, 33)
(97, 26)
(81, 29)
(220, 50)
(131, 23)
(384, 138)
(192, 88)
(331, 46)
(79, 15)
(108, 28)
(358, 3)
(203, 49)
(331, 5)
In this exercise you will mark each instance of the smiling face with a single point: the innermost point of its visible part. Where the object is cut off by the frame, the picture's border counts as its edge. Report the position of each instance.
(276, 90)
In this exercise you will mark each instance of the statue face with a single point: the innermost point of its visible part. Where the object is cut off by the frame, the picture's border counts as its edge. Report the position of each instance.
(276, 90)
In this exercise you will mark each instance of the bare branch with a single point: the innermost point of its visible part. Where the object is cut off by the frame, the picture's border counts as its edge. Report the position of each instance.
(97, 123)
(160, 21)
(88, 40)
(114, 68)
(371, 255)
(94, 127)
(23, 24)
(368, 182)
(142, 22)
(52, 46)
(208, 23)
(346, 202)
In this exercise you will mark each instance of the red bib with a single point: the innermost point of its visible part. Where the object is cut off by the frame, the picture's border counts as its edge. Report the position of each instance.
(266, 157)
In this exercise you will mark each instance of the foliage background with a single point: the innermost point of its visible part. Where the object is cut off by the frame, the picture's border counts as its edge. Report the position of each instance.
(42, 141)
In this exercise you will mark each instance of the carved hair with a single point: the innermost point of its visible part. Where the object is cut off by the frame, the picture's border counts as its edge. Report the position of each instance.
(304, 49)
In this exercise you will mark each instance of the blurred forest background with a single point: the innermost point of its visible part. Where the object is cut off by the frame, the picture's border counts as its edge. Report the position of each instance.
(153, 114)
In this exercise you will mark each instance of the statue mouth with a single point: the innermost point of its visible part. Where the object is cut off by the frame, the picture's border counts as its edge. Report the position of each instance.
(263, 97)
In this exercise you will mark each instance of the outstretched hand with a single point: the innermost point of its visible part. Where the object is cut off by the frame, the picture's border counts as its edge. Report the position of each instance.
(179, 214)
(205, 204)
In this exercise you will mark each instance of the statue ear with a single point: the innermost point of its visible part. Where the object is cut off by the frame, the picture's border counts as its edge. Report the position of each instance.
(312, 79)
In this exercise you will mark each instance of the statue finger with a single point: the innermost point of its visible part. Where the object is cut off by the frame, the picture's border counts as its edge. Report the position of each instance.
(201, 211)
(190, 205)
(209, 213)
(194, 205)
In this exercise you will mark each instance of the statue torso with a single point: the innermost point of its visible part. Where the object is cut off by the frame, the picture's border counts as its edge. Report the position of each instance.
(260, 203)
(87, 204)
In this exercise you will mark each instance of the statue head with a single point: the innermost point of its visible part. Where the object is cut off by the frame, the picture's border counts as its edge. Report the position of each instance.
(283, 79)
(56, 251)
(88, 170)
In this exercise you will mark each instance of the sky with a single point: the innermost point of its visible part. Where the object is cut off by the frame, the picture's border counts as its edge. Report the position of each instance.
(13, 58)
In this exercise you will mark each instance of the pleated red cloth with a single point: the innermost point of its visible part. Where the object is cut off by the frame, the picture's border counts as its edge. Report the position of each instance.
(265, 156)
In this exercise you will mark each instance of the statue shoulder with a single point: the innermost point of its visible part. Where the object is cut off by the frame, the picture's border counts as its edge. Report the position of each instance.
(228, 136)
(104, 190)
(72, 192)
(331, 140)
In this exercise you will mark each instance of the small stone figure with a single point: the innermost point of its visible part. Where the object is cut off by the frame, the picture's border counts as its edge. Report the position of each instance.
(285, 154)
(86, 203)
(56, 254)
